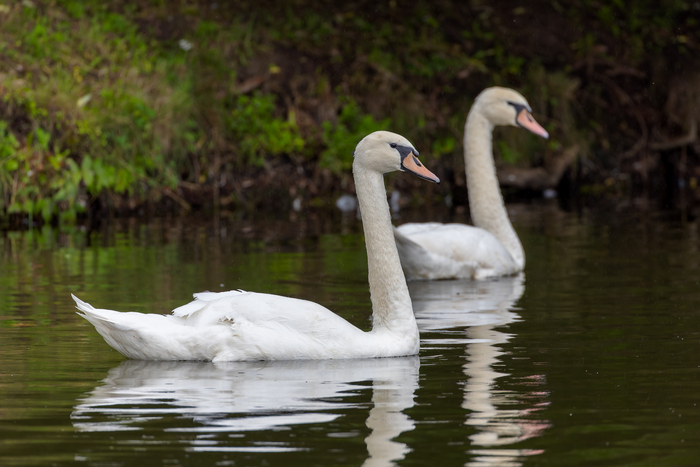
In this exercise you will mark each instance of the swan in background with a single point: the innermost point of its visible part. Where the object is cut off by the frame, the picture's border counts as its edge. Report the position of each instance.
(217, 407)
(238, 326)
(491, 248)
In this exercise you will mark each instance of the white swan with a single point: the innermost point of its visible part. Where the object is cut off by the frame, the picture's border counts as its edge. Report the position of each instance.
(237, 325)
(491, 248)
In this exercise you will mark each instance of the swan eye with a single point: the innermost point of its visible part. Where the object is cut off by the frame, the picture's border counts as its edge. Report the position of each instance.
(519, 107)
(393, 145)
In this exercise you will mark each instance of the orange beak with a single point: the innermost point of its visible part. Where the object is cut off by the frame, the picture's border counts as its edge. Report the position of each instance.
(410, 163)
(526, 120)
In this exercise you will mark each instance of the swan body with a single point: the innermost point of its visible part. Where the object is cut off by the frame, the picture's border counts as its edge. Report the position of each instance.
(490, 248)
(240, 326)
(431, 251)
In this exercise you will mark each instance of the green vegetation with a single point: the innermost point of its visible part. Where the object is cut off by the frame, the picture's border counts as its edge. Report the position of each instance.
(124, 104)
(340, 139)
(80, 107)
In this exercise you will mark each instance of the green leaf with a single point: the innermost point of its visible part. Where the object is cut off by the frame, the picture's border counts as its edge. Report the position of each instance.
(43, 138)
(12, 165)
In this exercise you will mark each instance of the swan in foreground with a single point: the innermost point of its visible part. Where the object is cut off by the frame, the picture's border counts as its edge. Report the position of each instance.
(491, 247)
(237, 325)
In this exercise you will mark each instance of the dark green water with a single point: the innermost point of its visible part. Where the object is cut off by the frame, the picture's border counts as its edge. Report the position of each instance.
(590, 358)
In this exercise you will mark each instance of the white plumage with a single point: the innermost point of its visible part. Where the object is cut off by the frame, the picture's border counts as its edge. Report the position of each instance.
(238, 325)
(432, 250)
(491, 247)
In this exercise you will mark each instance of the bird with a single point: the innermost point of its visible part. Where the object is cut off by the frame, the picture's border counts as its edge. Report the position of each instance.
(490, 248)
(247, 326)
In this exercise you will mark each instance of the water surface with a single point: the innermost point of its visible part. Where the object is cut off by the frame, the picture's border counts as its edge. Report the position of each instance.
(588, 358)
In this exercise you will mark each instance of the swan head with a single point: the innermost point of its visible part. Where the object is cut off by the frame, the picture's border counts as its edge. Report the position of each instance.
(385, 152)
(503, 106)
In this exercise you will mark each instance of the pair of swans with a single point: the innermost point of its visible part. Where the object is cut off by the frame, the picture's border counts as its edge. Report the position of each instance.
(239, 326)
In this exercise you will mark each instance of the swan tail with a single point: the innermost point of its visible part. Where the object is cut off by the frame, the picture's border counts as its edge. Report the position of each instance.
(101, 319)
(81, 305)
(406, 244)
(414, 257)
(141, 336)
(422, 263)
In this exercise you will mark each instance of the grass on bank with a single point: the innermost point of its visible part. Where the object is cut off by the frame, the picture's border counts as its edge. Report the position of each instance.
(90, 106)
(126, 101)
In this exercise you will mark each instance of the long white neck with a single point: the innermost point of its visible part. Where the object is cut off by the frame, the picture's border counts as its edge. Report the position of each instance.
(486, 204)
(391, 303)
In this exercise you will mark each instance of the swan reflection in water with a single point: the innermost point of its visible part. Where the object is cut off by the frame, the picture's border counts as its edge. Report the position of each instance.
(242, 397)
(481, 307)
